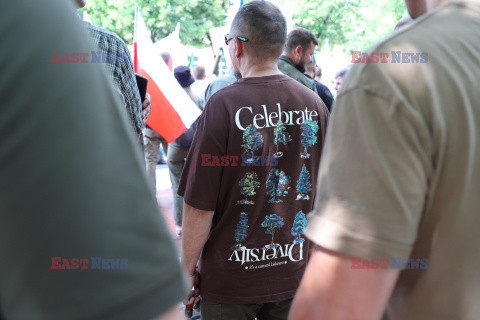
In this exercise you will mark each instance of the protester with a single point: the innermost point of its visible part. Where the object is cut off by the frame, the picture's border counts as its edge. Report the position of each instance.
(152, 142)
(220, 83)
(120, 67)
(322, 89)
(398, 193)
(81, 236)
(339, 78)
(297, 53)
(178, 149)
(250, 176)
(318, 74)
(201, 81)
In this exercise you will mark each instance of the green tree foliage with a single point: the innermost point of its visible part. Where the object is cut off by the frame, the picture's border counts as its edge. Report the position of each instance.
(309, 133)
(281, 136)
(196, 17)
(299, 225)
(303, 184)
(355, 24)
(276, 184)
(242, 228)
(272, 222)
(252, 140)
(248, 184)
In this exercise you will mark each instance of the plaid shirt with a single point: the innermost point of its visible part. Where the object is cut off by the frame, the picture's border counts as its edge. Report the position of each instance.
(115, 55)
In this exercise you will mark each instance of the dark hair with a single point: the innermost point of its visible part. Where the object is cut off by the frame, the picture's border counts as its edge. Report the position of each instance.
(265, 27)
(199, 72)
(300, 37)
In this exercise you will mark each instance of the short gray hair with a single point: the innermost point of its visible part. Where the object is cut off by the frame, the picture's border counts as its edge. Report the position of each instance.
(264, 25)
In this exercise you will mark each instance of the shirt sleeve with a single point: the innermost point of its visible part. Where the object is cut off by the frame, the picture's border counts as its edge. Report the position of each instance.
(73, 184)
(373, 178)
(202, 175)
(128, 86)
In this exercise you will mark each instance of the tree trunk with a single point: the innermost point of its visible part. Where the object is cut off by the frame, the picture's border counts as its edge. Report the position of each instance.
(273, 233)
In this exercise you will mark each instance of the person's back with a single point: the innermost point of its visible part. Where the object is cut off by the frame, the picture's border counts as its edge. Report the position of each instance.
(295, 118)
(113, 52)
(81, 236)
(220, 83)
(441, 105)
(322, 90)
(413, 123)
(250, 177)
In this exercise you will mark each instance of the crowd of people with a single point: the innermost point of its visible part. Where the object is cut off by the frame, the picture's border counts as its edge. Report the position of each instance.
(284, 211)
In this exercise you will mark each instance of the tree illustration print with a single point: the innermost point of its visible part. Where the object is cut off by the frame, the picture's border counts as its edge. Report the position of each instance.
(277, 185)
(272, 222)
(303, 184)
(310, 129)
(281, 136)
(248, 184)
(252, 141)
(241, 231)
(299, 225)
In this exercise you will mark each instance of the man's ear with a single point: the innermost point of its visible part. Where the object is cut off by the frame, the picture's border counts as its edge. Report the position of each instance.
(298, 52)
(239, 47)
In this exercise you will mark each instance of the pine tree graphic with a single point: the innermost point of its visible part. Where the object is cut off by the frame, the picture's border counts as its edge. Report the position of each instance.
(248, 184)
(252, 141)
(272, 222)
(303, 184)
(241, 231)
(309, 134)
(299, 225)
(281, 136)
(277, 185)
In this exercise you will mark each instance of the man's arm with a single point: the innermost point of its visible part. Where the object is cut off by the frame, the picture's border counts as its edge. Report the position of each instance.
(196, 228)
(331, 289)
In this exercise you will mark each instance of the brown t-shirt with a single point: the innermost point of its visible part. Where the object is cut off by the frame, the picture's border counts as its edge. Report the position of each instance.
(254, 160)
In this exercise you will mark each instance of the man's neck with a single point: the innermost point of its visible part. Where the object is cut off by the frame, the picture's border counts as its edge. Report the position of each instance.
(260, 70)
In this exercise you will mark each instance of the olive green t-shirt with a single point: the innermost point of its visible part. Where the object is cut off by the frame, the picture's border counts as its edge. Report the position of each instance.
(73, 189)
(400, 173)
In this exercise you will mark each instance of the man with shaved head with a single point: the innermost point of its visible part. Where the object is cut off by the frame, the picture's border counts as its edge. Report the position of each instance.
(397, 209)
(243, 215)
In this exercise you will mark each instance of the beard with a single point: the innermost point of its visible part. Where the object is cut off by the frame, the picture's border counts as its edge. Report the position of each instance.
(300, 68)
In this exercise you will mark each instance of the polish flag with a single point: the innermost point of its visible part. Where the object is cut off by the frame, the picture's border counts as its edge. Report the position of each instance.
(172, 110)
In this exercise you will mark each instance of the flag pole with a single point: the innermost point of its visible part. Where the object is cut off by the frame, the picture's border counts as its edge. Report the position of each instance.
(135, 39)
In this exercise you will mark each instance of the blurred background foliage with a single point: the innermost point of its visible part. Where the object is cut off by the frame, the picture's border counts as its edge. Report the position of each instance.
(352, 24)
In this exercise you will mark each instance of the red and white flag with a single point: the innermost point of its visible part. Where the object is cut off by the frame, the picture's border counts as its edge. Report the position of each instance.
(172, 109)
